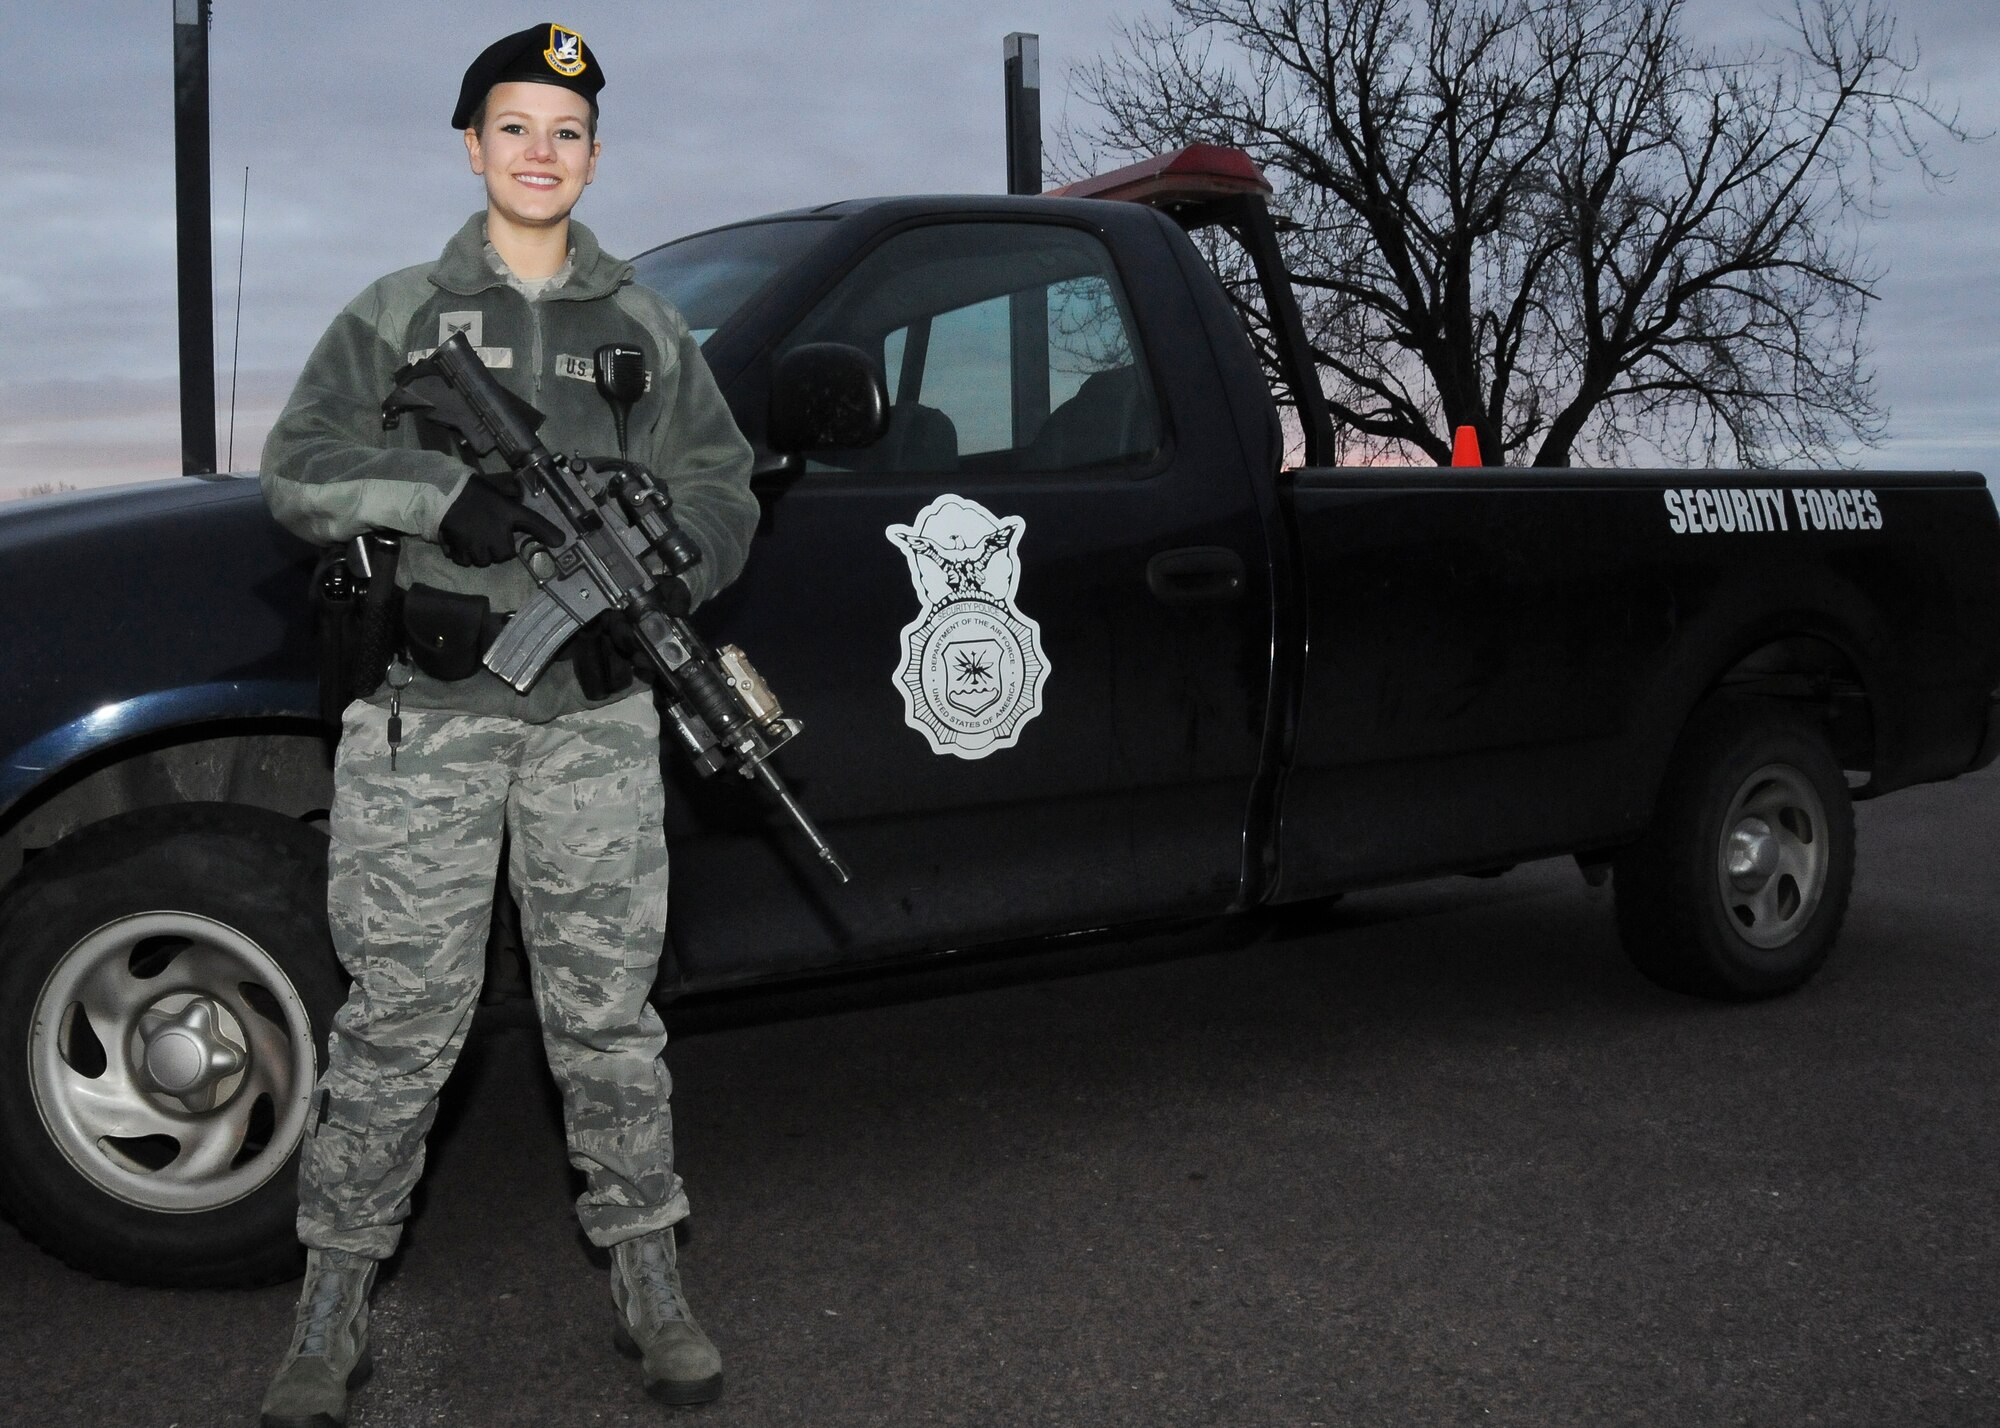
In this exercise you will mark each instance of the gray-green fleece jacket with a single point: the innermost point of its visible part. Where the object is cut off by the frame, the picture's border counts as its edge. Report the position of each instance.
(330, 471)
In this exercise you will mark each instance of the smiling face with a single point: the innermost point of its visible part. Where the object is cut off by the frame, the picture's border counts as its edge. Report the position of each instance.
(535, 152)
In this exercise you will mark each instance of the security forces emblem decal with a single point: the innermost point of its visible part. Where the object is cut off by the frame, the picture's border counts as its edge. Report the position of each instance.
(973, 666)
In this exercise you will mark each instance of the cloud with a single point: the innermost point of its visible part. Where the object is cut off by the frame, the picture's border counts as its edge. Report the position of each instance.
(340, 113)
(712, 113)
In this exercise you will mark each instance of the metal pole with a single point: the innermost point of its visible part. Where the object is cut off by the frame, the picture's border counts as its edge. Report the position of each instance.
(1028, 312)
(1024, 113)
(191, 226)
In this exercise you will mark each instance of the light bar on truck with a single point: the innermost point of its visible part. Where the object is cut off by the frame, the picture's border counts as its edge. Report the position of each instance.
(1200, 171)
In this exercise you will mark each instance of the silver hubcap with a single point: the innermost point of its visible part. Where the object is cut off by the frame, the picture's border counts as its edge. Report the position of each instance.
(172, 1061)
(190, 1053)
(1772, 865)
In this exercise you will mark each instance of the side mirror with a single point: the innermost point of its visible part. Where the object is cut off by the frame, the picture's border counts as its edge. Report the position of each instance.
(826, 395)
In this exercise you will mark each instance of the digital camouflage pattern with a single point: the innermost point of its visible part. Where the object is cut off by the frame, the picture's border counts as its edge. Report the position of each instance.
(410, 894)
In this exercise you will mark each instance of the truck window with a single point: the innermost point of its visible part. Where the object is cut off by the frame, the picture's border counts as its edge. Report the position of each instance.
(1007, 347)
(709, 276)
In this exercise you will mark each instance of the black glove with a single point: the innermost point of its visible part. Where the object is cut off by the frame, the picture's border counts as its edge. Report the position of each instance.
(480, 526)
(602, 654)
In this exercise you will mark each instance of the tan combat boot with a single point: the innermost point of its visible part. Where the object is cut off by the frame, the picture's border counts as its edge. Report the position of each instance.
(328, 1356)
(681, 1364)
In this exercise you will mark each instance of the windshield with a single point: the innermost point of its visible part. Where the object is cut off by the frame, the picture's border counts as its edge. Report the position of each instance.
(709, 276)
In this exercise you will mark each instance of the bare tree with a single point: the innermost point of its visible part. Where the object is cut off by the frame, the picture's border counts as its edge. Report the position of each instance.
(1562, 222)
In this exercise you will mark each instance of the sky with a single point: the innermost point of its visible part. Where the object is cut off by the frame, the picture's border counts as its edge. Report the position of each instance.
(711, 112)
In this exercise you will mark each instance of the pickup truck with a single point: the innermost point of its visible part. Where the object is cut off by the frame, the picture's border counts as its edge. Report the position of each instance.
(1073, 649)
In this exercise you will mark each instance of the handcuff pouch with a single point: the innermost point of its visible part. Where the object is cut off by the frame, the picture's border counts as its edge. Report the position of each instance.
(446, 631)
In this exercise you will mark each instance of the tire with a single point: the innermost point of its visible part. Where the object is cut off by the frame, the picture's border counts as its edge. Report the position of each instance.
(1739, 888)
(166, 984)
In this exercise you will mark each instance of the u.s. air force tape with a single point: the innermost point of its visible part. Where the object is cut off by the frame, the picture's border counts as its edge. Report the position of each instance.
(1730, 509)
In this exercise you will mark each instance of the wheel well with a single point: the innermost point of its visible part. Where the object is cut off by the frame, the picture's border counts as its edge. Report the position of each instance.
(280, 765)
(1819, 677)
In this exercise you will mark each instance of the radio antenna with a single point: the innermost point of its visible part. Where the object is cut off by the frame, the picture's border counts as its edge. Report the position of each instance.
(236, 344)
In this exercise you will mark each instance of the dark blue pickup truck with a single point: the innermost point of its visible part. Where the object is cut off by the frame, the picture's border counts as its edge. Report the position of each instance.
(1073, 649)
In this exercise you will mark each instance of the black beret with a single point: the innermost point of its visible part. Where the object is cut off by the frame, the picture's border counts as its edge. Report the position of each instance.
(543, 54)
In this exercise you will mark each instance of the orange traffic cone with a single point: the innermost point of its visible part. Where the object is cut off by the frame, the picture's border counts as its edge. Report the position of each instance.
(1465, 447)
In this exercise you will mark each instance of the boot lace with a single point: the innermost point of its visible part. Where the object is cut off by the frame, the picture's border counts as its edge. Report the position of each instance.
(319, 1313)
(654, 1282)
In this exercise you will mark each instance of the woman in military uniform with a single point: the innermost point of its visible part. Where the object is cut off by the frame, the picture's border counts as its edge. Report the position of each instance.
(568, 771)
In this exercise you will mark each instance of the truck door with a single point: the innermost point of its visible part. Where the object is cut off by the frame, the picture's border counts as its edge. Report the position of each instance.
(1028, 631)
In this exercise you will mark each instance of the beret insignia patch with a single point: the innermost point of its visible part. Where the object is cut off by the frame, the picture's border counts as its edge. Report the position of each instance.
(565, 51)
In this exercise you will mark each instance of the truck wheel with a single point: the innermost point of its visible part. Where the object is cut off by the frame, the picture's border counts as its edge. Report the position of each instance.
(1739, 887)
(166, 979)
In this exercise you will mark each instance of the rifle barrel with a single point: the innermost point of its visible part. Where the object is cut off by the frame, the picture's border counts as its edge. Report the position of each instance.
(804, 820)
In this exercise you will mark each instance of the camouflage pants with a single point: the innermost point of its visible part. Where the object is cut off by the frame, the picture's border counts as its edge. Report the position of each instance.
(412, 868)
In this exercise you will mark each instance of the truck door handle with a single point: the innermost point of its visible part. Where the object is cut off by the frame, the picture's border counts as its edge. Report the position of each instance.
(1195, 575)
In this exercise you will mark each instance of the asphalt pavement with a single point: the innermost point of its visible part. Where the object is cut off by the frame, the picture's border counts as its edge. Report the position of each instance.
(1433, 1155)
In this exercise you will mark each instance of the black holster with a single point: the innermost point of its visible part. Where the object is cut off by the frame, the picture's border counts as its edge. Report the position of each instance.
(359, 623)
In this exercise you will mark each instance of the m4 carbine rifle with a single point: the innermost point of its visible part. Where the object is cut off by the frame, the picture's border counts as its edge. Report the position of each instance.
(611, 521)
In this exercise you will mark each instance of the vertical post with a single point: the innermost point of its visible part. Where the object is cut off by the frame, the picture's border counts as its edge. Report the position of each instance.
(1023, 55)
(1028, 310)
(191, 227)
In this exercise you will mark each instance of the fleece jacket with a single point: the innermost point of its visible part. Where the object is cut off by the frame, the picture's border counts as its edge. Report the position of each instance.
(331, 472)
